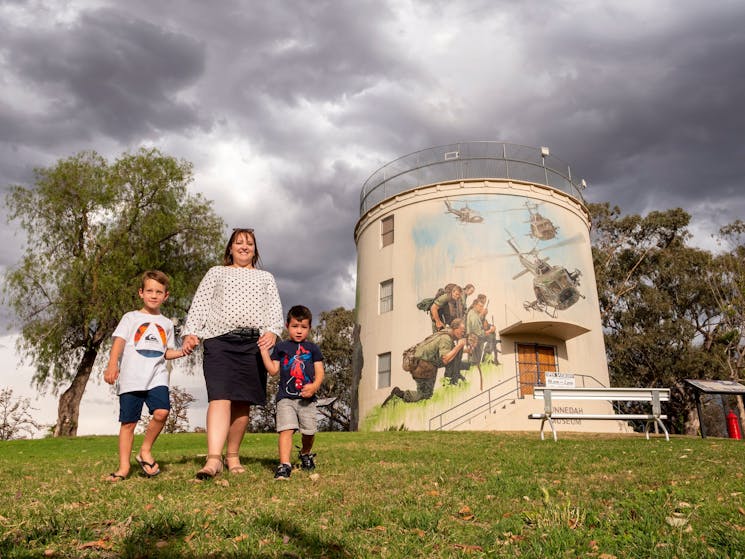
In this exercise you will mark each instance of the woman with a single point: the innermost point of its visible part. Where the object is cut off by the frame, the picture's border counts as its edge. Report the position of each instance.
(236, 312)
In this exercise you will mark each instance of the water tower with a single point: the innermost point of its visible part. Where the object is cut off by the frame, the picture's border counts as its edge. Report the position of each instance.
(506, 224)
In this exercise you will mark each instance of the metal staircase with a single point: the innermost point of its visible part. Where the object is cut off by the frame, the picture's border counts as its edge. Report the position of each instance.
(498, 396)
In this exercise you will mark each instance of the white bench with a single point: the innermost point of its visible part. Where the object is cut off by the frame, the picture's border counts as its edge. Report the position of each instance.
(652, 395)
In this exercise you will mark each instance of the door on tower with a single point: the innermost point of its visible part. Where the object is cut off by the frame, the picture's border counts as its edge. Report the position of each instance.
(533, 361)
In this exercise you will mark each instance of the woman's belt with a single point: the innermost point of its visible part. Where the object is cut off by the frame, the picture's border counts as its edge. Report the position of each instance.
(246, 332)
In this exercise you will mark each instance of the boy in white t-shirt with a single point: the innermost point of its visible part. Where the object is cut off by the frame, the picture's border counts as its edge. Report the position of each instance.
(143, 340)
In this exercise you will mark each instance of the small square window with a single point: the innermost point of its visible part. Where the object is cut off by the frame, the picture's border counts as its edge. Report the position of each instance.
(386, 230)
(386, 296)
(384, 370)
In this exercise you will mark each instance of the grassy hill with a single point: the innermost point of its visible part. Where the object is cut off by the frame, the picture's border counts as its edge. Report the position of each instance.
(389, 494)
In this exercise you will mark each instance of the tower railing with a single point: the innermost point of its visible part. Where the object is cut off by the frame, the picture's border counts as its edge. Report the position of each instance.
(468, 161)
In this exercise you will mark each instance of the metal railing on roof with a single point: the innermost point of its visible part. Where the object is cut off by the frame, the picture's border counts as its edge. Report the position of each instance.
(468, 161)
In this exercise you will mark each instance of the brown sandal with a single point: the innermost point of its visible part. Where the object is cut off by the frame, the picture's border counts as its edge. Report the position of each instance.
(208, 472)
(238, 468)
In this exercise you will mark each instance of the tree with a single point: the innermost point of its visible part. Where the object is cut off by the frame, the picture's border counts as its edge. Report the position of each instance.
(334, 335)
(657, 314)
(15, 419)
(728, 287)
(92, 229)
(727, 284)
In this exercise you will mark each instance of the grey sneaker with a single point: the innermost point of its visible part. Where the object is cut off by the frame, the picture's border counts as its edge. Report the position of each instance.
(307, 462)
(283, 471)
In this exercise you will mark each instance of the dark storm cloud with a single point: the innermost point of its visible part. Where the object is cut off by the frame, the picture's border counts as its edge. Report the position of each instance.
(106, 74)
(312, 251)
(650, 109)
(281, 59)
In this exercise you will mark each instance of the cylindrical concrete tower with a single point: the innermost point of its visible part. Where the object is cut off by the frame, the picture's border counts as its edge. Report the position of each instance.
(488, 242)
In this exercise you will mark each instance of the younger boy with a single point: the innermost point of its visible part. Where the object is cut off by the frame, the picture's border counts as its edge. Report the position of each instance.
(300, 367)
(143, 340)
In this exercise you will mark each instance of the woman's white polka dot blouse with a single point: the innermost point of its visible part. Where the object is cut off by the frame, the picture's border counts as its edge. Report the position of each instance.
(228, 298)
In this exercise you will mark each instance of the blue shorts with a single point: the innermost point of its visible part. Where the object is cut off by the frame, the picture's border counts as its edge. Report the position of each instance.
(130, 403)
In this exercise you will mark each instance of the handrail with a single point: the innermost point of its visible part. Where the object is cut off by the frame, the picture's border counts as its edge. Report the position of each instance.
(490, 403)
(472, 160)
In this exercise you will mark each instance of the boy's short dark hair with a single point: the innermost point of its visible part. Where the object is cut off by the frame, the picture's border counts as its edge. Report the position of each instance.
(156, 275)
(300, 313)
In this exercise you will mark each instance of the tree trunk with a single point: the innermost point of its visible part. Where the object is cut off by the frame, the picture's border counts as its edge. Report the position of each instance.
(692, 426)
(357, 364)
(68, 410)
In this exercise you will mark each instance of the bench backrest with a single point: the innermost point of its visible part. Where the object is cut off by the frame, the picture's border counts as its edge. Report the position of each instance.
(625, 394)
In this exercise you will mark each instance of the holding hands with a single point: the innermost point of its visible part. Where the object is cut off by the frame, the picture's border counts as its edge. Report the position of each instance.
(267, 340)
(189, 344)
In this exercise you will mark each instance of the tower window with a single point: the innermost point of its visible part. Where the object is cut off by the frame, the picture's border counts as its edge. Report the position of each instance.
(384, 370)
(386, 296)
(386, 230)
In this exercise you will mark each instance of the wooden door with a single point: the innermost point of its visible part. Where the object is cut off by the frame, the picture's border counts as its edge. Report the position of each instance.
(533, 361)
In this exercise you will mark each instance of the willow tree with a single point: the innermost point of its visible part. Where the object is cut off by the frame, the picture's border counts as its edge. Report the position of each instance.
(92, 228)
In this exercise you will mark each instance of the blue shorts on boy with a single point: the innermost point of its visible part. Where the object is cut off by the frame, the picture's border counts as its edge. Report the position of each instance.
(296, 369)
(130, 403)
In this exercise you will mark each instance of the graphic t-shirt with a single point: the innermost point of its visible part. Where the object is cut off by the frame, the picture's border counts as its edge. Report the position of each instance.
(143, 364)
(296, 367)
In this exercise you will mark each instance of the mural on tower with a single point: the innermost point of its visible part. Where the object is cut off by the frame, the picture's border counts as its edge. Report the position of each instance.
(471, 250)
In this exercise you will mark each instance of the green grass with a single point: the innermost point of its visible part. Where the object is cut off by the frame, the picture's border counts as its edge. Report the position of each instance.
(389, 494)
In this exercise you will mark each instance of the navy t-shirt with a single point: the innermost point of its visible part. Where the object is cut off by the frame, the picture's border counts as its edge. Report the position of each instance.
(296, 367)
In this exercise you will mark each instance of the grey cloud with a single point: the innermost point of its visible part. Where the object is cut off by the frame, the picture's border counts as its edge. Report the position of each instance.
(653, 117)
(106, 73)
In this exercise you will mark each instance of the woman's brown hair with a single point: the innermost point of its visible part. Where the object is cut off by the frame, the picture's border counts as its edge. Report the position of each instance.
(227, 258)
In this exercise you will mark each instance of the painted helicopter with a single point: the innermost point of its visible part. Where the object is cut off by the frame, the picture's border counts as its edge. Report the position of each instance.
(555, 287)
(541, 228)
(464, 214)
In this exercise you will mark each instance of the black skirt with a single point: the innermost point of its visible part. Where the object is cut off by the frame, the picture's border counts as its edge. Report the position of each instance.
(234, 370)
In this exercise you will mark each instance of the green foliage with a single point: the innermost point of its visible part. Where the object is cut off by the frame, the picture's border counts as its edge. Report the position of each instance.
(92, 229)
(662, 318)
(728, 287)
(387, 494)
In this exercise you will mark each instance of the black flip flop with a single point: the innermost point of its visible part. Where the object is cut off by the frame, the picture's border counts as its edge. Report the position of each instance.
(113, 477)
(150, 465)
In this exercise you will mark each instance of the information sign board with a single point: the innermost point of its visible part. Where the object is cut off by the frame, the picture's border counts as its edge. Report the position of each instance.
(555, 379)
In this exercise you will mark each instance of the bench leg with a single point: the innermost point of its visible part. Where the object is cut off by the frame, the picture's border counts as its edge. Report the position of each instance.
(550, 424)
(657, 421)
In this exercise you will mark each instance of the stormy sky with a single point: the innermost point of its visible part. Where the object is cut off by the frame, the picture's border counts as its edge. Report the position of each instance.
(285, 108)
